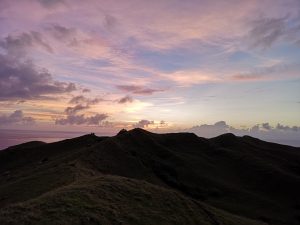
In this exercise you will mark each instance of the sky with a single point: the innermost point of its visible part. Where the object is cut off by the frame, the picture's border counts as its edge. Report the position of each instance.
(201, 66)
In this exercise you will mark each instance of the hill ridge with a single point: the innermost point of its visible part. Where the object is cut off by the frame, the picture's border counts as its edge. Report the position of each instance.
(222, 172)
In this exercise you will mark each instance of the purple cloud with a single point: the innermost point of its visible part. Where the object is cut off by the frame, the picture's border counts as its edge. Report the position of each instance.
(82, 119)
(62, 33)
(21, 80)
(126, 99)
(82, 103)
(17, 117)
(18, 44)
(143, 123)
(50, 3)
(75, 109)
(80, 99)
(266, 31)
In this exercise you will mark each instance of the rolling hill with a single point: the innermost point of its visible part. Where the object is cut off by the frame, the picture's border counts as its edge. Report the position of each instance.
(139, 177)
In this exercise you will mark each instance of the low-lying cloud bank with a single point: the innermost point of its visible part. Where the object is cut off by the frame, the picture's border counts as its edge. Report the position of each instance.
(16, 117)
(82, 119)
(74, 118)
(280, 133)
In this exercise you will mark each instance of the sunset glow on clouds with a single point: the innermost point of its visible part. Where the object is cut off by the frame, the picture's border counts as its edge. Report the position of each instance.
(163, 65)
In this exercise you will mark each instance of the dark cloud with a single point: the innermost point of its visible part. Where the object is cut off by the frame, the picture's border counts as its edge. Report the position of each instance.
(253, 129)
(17, 117)
(126, 99)
(20, 80)
(82, 120)
(77, 99)
(143, 123)
(96, 119)
(62, 33)
(287, 128)
(266, 126)
(266, 31)
(162, 122)
(82, 103)
(75, 109)
(50, 3)
(19, 44)
(86, 90)
(136, 89)
(221, 124)
(110, 21)
(80, 99)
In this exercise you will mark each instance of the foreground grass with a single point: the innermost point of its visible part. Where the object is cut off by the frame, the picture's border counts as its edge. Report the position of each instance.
(115, 200)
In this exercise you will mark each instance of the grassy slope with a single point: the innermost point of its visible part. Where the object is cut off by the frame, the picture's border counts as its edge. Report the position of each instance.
(244, 176)
(116, 200)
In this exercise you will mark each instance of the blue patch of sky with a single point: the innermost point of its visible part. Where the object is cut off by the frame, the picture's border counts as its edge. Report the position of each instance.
(287, 51)
(190, 55)
(169, 61)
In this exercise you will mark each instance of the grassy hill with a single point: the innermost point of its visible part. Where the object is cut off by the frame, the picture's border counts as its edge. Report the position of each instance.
(138, 177)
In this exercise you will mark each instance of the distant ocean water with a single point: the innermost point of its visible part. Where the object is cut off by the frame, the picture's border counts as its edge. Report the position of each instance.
(15, 137)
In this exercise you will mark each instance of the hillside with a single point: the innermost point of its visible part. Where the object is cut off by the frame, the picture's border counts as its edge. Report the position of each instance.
(139, 177)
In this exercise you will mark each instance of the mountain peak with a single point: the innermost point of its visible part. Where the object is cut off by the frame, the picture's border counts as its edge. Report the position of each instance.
(123, 131)
(139, 131)
(226, 140)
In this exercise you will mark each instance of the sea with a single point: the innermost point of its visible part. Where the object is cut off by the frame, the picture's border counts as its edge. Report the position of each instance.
(14, 137)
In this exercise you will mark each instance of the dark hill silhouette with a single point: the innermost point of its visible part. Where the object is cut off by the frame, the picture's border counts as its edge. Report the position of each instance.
(139, 177)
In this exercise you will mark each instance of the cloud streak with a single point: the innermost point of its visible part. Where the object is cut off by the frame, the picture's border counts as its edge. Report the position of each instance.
(266, 32)
(139, 90)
